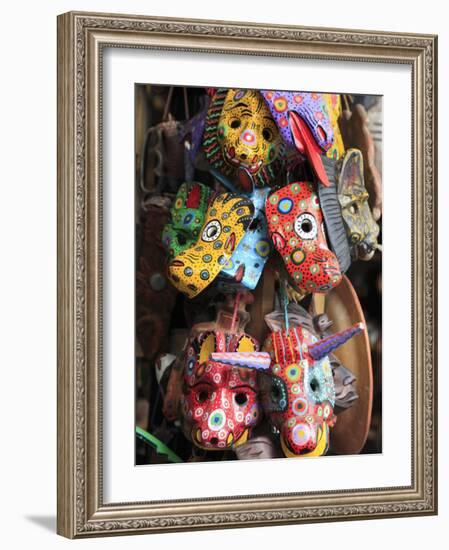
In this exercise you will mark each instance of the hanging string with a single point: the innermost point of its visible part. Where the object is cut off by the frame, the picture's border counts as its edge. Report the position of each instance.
(235, 313)
(284, 302)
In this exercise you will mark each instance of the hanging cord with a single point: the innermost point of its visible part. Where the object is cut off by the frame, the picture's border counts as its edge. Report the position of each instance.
(235, 313)
(167, 104)
(186, 104)
(283, 299)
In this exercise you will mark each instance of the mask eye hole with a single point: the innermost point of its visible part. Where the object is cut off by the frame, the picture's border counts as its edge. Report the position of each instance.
(278, 396)
(212, 231)
(267, 134)
(202, 396)
(275, 393)
(314, 385)
(306, 226)
(241, 399)
(235, 123)
(321, 132)
(353, 208)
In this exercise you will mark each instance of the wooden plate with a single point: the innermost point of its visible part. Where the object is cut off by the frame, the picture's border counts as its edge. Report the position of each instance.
(343, 308)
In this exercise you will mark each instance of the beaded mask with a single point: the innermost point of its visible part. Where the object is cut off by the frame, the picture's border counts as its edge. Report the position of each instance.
(226, 221)
(246, 265)
(241, 138)
(187, 217)
(304, 124)
(220, 403)
(295, 223)
(361, 229)
(299, 397)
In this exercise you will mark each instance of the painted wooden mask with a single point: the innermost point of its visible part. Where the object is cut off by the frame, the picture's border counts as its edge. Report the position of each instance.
(241, 137)
(246, 265)
(226, 221)
(295, 223)
(187, 217)
(361, 228)
(220, 405)
(299, 394)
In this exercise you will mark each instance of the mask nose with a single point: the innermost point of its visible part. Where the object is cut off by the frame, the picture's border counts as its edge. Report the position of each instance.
(300, 438)
(248, 137)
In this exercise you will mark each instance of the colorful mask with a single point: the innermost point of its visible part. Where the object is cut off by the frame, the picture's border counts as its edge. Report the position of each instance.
(300, 395)
(295, 223)
(361, 229)
(332, 106)
(227, 219)
(187, 217)
(242, 138)
(309, 106)
(304, 124)
(246, 264)
(220, 404)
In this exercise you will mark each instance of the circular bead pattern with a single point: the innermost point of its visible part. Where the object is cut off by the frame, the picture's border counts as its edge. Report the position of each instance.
(280, 104)
(298, 256)
(285, 205)
(263, 248)
(217, 420)
(299, 406)
(301, 434)
(295, 188)
(293, 372)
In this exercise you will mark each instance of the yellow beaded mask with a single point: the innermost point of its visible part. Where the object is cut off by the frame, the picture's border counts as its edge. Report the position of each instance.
(247, 133)
(226, 222)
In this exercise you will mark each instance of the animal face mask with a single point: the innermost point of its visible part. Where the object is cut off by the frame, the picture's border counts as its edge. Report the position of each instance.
(242, 138)
(304, 123)
(220, 404)
(310, 107)
(227, 219)
(295, 223)
(300, 395)
(362, 230)
(187, 217)
(246, 264)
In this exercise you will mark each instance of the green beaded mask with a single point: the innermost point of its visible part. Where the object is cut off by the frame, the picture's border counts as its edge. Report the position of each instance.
(187, 217)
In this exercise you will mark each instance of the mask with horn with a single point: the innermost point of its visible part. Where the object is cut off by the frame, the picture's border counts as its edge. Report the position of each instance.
(220, 403)
(299, 394)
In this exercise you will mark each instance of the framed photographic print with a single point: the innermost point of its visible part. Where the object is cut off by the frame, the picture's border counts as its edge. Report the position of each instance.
(247, 271)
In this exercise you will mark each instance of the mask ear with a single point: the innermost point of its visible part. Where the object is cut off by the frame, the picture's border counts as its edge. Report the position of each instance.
(207, 346)
(246, 343)
(351, 171)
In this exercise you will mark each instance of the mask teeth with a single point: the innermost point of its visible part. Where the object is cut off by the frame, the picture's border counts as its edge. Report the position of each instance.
(323, 347)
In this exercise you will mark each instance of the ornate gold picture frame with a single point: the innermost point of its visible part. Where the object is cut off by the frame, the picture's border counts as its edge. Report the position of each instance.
(82, 40)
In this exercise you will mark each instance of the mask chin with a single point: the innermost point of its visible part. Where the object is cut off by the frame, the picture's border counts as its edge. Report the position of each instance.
(322, 438)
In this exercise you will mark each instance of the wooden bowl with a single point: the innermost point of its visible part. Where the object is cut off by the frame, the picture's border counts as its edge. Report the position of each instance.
(342, 306)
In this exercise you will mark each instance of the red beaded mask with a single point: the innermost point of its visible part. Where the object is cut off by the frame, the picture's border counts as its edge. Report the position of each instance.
(220, 405)
(299, 396)
(295, 223)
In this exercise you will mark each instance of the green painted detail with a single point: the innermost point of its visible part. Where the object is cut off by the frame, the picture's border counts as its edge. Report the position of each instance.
(160, 447)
